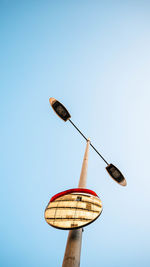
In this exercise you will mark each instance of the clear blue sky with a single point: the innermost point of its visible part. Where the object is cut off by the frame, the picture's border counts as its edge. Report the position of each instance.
(93, 56)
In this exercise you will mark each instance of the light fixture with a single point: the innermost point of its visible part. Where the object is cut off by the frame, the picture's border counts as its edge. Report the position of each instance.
(60, 110)
(63, 113)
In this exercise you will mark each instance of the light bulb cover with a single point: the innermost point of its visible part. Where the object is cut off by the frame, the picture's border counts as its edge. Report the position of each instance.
(59, 109)
(116, 174)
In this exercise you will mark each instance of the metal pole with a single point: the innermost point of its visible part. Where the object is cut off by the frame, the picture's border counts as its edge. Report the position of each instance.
(73, 246)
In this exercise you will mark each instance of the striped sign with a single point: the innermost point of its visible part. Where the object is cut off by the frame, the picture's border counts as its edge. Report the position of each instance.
(72, 209)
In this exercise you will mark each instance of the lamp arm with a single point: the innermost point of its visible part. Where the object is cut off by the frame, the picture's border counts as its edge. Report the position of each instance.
(87, 140)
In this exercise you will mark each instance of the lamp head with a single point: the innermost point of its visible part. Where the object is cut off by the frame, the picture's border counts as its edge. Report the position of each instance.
(116, 174)
(59, 109)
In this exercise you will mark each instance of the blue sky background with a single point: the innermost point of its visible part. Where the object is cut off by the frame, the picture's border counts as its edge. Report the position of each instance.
(93, 56)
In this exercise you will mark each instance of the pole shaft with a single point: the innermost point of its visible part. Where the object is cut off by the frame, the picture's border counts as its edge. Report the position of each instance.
(73, 246)
(83, 175)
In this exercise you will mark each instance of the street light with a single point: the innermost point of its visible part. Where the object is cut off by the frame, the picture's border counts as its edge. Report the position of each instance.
(60, 110)
(63, 113)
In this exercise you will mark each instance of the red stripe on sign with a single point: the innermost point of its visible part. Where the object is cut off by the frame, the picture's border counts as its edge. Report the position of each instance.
(74, 190)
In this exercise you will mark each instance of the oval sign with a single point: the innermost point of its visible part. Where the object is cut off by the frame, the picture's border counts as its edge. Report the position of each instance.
(72, 209)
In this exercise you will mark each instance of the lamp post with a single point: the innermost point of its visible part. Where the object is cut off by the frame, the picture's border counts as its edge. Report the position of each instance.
(64, 210)
(73, 247)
